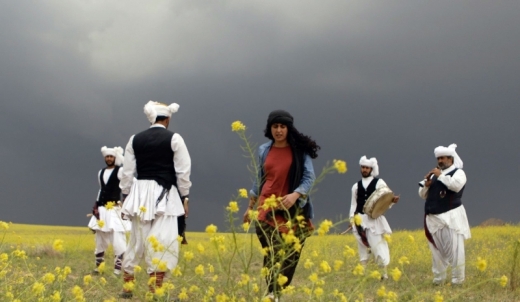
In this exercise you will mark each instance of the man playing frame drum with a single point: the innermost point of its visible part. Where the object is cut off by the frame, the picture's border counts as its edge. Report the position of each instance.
(370, 230)
(445, 224)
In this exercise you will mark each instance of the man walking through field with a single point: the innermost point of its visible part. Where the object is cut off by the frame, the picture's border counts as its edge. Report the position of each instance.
(446, 224)
(106, 220)
(369, 232)
(161, 164)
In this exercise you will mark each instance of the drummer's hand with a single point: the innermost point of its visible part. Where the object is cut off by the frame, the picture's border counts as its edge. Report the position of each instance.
(289, 200)
(396, 199)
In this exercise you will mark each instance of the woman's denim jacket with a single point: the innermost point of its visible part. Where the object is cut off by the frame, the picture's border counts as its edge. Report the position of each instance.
(305, 184)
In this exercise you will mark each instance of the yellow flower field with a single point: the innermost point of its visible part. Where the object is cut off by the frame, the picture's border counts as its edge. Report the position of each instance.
(49, 263)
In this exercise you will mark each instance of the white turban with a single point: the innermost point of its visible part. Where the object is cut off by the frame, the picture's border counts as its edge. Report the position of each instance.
(154, 109)
(372, 163)
(116, 152)
(449, 151)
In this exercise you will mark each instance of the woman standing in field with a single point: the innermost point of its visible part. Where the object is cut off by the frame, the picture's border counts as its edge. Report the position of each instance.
(285, 177)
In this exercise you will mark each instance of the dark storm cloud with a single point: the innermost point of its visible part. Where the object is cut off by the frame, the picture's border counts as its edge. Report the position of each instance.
(386, 80)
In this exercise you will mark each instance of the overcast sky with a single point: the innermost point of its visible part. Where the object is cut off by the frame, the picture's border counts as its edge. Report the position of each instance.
(391, 80)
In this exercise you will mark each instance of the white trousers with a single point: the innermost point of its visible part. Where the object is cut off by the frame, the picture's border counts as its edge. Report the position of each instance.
(449, 251)
(104, 239)
(164, 229)
(378, 246)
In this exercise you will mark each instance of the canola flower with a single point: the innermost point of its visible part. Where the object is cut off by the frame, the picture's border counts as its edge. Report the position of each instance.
(49, 278)
(481, 264)
(242, 193)
(381, 292)
(396, 274)
(282, 279)
(270, 202)
(324, 227)
(38, 288)
(503, 281)
(56, 296)
(4, 225)
(404, 260)
(318, 291)
(438, 297)
(101, 223)
(100, 268)
(199, 270)
(348, 251)
(358, 220)
(340, 166)
(183, 295)
(188, 256)
(237, 126)
(78, 293)
(338, 264)
(358, 270)
(232, 207)
(308, 263)
(142, 209)
(110, 205)
(391, 296)
(376, 275)
(87, 279)
(211, 229)
(325, 267)
(200, 248)
(253, 215)
(156, 245)
(388, 238)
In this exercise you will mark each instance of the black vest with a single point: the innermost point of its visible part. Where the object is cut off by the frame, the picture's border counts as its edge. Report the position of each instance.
(154, 156)
(363, 195)
(440, 199)
(110, 191)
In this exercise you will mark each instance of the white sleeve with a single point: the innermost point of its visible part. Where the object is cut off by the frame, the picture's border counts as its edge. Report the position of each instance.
(454, 183)
(182, 164)
(129, 168)
(381, 183)
(423, 192)
(353, 201)
(99, 182)
(120, 173)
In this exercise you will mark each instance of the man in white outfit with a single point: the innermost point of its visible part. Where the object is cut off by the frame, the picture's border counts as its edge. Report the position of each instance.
(370, 232)
(106, 221)
(161, 164)
(446, 224)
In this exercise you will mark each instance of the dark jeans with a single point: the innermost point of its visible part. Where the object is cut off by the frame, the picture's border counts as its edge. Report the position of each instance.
(270, 237)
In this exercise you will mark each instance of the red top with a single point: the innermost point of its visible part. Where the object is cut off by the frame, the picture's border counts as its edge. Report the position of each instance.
(276, 167)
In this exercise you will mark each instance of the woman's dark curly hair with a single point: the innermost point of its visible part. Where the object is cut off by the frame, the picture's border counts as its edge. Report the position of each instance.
(296, 139)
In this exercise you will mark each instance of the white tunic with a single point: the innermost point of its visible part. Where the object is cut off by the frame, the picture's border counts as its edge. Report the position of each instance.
(111, 218)
(377, 226)
(455, 219)
(144, 193)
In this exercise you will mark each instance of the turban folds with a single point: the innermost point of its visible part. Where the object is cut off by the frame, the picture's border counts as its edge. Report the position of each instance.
(449, 151)
(372, 163)
(116, 152)
(154, 109)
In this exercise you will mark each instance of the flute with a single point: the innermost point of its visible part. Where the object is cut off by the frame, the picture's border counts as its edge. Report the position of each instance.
(423, 182)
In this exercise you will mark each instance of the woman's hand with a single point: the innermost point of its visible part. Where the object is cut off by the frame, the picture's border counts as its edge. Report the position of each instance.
(252, 202)
(289, 200)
